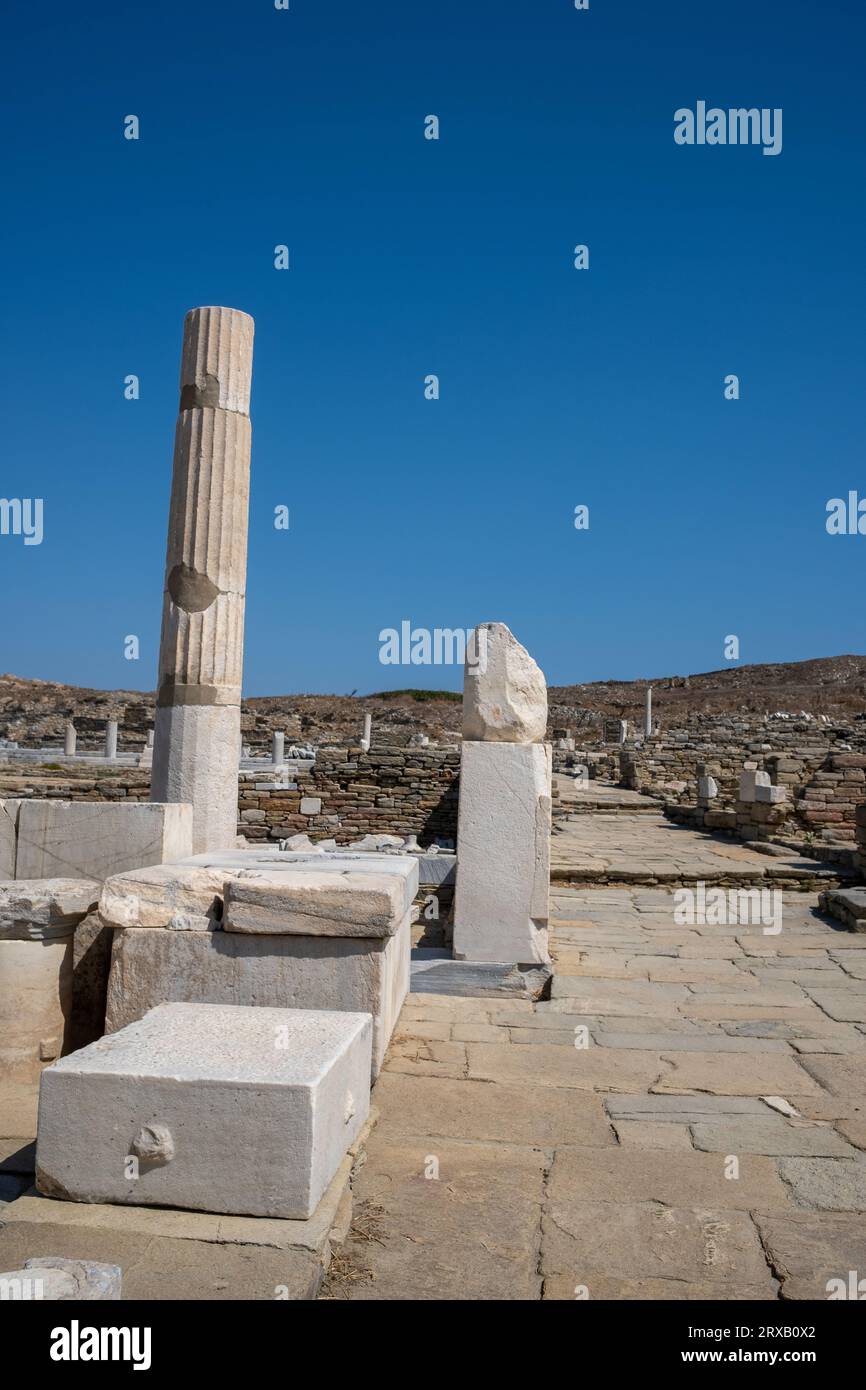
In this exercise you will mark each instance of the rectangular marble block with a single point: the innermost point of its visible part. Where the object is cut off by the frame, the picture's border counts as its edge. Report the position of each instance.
(311, 904)
(153, 965)
(247, 1111)
(750, 780)
(503, 853)
(94, 839)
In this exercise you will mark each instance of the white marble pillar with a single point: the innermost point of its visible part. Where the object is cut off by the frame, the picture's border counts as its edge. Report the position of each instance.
(367, 735)
(197, 735)
(111, 739)
(648, 712)
(69, 740)
(278, 749)
(503, 828)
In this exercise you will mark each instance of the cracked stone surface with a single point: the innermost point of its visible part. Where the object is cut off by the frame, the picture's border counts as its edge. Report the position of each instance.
(533, 1150)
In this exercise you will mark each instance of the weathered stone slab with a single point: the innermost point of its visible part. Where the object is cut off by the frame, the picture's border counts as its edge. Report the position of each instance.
(161, 1113)
(580, 1069)
(496, 1189)
(675, 1179)
(328, 903)
(739, 1075)
(829, 1184)
(815, 1254)
(501, 898)
(477, 979)
(777, 1138)
(158, 1267)
(591, 1243)
(680, 1109)
(94, 839)
(646, 1134)
(456, 1109)
(843, 1005)
(188, 896)
(688, 1042)
(288, 972)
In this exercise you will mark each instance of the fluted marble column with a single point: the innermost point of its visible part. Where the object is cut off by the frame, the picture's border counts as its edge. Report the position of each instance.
(197, 726)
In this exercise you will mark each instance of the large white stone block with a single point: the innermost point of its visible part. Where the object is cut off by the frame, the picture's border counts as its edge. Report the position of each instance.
(504, 691)
(750, 780)
(94, 839)
(503, 853)
(224, 1109)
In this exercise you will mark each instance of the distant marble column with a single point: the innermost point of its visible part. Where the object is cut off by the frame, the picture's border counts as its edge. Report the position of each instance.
(197, 735)
(111, 739)
(278, 747)
(70, 740)
(648, 712)
(367, 735)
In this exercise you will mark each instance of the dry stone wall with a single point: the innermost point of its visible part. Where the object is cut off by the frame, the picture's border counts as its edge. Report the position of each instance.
(345, 794)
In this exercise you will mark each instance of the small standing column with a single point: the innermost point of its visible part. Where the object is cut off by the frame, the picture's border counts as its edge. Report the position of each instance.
(368, 733)
(501, 899)
(70, 740)
(648, 712)
(198, 715)
(278, 746)
(111, 739)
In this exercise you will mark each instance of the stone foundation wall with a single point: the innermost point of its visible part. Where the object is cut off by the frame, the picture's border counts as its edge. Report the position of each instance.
(349, 793)
(346, 794)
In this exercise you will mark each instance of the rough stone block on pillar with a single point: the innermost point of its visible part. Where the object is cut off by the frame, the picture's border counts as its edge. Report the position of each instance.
(503, 867)
(504, 692)
(94, 839)
(212, 1108)
(750, 779)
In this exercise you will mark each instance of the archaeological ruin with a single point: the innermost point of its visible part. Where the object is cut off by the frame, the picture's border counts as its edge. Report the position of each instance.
(517, 975)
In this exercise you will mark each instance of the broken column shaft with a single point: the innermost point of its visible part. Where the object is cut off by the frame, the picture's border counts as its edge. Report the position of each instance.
(197, 727)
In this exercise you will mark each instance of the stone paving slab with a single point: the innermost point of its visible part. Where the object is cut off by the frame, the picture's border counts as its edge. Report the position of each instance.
(808, 1250)
(471, 1232)
(505, 1114)
(589, 1243)
(702, 1044)
(160, 1268)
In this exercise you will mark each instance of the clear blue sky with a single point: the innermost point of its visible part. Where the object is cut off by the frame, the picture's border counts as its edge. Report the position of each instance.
(410, 257)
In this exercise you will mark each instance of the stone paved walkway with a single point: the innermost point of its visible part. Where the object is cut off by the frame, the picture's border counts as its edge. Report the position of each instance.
(641, 846)
(705, 1138)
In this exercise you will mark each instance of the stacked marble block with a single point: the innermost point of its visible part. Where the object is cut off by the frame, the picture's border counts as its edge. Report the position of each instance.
(54, 856)
(264, 927)
(504, 818)
(761, 808)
